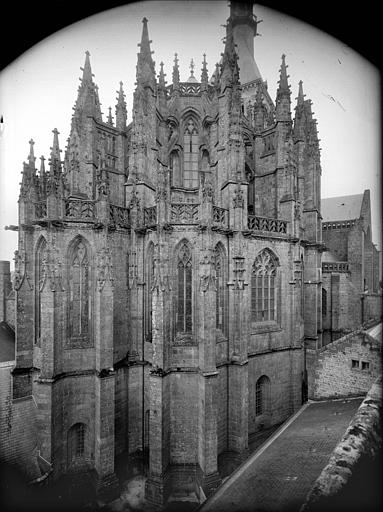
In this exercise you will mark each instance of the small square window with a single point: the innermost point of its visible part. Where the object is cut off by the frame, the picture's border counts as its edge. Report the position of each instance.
(354, 363)
(365, 365)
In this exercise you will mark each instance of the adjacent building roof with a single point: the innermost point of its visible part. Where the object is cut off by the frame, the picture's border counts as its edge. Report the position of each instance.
(341, 207)
(7, 343)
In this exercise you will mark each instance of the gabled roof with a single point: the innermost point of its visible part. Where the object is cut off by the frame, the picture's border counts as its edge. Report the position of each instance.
(341, 207)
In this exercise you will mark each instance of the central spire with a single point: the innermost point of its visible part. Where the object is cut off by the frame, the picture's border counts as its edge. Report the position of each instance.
(244, 25)
(145, 63)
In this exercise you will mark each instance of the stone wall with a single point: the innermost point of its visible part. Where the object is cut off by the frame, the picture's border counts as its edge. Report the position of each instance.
(348, 480)
(18, 440)
(372, 306)
(345, 367)
(343, 308)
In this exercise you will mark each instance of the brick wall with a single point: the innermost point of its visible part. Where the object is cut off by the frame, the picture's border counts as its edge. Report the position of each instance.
(345, 367)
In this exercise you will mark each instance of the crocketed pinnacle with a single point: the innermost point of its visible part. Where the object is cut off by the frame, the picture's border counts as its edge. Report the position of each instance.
(110, 118)
(230, 69)
(204, 73)
(300, 99)
(176, 72)
(161, 76)
(283, 88)
(145, 63)
(42, 166)
(192, 77)
(121, 112)
(31, 156)
(55, 160)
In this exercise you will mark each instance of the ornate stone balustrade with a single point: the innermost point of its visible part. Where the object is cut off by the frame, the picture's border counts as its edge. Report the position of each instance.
(150, 216)
(220, 217)
(184, 213)
(255, 223)
(119, 215)
(41, 209)
(338, 266)
(343, 224)
(78, 209)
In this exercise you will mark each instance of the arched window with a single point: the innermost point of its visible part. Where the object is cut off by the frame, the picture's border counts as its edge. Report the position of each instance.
(184, 321)
(264, 287)
(262, 398)
(149, 293)
(219, 261)
(41, 256)
(324, 302)
(79, 285)
(190, 155)
(76, 442)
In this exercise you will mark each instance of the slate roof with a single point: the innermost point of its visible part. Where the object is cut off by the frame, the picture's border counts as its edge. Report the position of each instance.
(341, 207)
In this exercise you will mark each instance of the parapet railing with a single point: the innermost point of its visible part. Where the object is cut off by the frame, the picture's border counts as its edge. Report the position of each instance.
(184, 213)
(220, 217)
(338, 266)
(342, 224)
(256, 223)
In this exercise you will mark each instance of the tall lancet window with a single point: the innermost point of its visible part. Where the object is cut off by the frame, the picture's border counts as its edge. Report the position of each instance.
(184, 321)
(41, 256)
(220, 288)
(149, 293)
(190, 155)
(79, 307)
(264, 287)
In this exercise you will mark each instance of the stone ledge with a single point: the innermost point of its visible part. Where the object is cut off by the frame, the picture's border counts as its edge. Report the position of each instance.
(362, 440)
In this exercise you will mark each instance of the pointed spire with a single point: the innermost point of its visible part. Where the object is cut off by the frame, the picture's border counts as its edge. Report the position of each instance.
(88, 102)
(145, 63)
(204, 74)
(87, 75)
(176, 72)
(110, 118)
(121, 113)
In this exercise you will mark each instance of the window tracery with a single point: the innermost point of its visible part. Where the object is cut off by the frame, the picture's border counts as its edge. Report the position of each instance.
(79, 307)
(264, 287)
(184, 321)
(190, 178)
(220, 288)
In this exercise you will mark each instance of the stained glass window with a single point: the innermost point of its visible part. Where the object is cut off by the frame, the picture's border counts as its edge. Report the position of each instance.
(184, 289)
(263, 288)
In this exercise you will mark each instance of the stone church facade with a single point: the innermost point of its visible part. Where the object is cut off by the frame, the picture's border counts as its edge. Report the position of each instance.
(168, 271)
